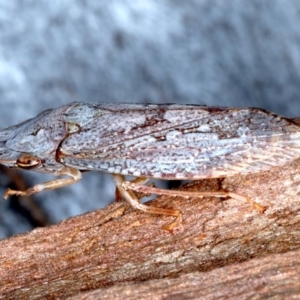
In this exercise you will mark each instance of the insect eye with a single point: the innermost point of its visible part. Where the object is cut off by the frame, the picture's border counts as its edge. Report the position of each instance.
(27, 161)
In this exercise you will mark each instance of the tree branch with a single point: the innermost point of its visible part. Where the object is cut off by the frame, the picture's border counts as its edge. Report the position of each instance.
(255, 279)
(119, 244)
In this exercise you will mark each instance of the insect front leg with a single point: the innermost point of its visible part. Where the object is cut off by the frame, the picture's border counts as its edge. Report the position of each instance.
(134, 201)
(75, 175)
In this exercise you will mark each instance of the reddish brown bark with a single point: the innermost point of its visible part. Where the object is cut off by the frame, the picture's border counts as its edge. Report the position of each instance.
(211, 253)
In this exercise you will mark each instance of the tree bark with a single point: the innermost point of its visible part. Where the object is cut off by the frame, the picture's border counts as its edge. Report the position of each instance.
(222, 248)
(259, 278)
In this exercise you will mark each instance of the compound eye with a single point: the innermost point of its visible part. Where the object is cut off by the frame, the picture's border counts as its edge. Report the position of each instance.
(26, 161)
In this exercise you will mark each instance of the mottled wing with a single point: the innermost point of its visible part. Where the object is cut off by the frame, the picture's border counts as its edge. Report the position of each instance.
(181, 141)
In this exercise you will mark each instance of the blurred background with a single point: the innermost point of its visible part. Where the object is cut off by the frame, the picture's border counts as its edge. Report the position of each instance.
(213, 52)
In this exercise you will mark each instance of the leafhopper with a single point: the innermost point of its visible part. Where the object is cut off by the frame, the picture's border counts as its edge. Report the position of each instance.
(165, 141)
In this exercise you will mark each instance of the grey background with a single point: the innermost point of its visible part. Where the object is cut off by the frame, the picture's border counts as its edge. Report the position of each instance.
(214, 52)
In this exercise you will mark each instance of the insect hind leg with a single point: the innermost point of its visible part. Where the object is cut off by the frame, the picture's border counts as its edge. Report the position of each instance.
(138, 187)
(134, 201)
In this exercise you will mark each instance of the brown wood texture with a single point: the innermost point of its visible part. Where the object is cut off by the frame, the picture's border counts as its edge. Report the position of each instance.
(254, 279)
(222, 249)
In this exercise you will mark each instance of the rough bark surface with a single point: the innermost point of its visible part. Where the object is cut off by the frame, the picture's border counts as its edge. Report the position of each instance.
(255, 279)
(222, 248)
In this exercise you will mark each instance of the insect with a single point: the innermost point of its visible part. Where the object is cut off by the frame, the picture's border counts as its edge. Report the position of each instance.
(147, 141)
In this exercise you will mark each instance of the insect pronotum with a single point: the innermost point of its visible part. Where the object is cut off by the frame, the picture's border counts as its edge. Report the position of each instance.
(147, 141)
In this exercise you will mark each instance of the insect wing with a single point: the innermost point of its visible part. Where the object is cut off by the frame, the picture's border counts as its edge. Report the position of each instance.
(186, 142)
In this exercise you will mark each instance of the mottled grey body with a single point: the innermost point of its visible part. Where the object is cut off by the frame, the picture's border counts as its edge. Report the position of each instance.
(158, 141)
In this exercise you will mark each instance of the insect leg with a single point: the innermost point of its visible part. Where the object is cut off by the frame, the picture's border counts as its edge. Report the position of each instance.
(134, 201)
(139, 180)
(49, 185)
(131, 185)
